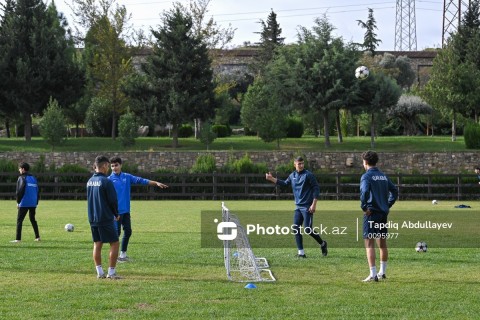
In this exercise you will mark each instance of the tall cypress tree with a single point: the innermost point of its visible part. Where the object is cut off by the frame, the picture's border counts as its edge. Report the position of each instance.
(270, 40)
(370, 40)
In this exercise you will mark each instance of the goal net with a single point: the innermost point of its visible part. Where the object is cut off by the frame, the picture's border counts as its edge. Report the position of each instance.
(240, 262)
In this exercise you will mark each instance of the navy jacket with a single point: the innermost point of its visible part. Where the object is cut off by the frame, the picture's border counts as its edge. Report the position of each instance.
(304, 186)
(377, 192)
(102, 200)
(27, 192)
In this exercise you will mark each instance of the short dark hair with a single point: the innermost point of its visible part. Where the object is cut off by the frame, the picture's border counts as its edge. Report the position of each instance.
(371, 157)
(299, 159)
(25, 166)
(477, 168)
(116, 160)
(101, 160)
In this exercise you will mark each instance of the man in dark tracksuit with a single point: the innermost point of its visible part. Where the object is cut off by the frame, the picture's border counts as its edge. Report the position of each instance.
(377, 195)
(305, 190)
(27, 195)
(102, 213)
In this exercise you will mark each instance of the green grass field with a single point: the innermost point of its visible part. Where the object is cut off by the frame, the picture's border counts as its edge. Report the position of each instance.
(243, 143)
(172, 277)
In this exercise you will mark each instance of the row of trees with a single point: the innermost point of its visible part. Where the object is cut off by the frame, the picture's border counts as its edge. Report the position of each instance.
(312, 78)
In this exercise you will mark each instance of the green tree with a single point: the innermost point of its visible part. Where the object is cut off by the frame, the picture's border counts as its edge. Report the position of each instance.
(262, 112)
(323, 78)
(370, 40)
(207, 136)
(127, 129)
(179, 72)
(37, 59)
(52, 124)
(109, 61)
(376, 94)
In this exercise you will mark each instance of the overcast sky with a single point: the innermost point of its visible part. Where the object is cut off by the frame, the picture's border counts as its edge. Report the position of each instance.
(243, 15)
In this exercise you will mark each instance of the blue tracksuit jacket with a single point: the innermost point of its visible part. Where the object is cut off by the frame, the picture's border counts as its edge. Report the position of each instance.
(304, 186)
(377, 192)
(122, 183)
(102, 200)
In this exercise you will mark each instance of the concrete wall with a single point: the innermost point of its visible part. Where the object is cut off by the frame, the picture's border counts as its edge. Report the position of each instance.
(448, 162)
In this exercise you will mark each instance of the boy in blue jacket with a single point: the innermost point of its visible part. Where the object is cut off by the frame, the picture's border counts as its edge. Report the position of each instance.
(27, 194)
(122, 182)
(377, 196)
(102, 212)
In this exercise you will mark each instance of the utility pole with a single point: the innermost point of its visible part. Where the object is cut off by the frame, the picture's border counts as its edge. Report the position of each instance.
(405, 26)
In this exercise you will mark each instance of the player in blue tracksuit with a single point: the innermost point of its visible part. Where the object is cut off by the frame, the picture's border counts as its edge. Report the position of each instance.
(27, 194)
(102, 212)
(377, 196)
(305, 191)
(123, 182)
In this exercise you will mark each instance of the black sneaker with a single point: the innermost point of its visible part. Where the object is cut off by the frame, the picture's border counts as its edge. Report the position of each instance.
(324, 248)
(301, 256)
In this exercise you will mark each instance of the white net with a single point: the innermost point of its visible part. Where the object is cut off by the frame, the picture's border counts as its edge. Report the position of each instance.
(240, 262)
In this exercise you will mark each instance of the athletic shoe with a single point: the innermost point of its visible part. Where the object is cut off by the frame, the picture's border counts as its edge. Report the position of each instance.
(123, 259)
(113, 276)
(381, 276)
(16, 241)
(370, 279)
(37, 239)
(324, 248)
(301, 256)
(101, 276)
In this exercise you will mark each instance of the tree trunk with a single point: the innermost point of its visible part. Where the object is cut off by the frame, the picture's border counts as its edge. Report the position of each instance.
(175, 135)
(114, 125)
(7, 127)
(27, 120)
(454, 127)
(326, 129)
(339, 128)
(372, 132)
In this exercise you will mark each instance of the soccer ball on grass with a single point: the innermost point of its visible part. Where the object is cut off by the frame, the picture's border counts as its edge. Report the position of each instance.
(69, 227)
(362, 73)
(434, 202)
(421, 246)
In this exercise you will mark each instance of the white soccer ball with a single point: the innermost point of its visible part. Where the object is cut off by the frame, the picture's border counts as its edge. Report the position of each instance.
(362, 73)
(434, 202)
(69, 227)
(421, 246)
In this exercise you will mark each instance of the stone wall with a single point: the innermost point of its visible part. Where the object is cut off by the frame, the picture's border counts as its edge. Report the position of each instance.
(342, 162)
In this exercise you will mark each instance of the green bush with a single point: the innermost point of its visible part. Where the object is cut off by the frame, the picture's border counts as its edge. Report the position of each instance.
(127, 129)
(204, 164)
(221, 130)
(472, 136)
(295, 127)
(185, 131)
(245, 165)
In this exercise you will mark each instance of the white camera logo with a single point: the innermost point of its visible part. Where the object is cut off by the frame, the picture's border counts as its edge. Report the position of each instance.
(229, 226)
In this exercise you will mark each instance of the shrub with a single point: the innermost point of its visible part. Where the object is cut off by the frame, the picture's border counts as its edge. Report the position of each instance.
(52, 124)
(127, 129)
(472, 136)
(98, 119)
(207, 135)
(295, 127)
(221, 130)
(245, 165)
(185, 131)
(204, 164)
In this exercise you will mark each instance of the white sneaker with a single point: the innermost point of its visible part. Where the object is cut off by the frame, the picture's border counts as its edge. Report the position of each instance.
(113, 276)
(370, 279)
(123, 259)
(16, 241)
(37, 239)
(381, 276)
(101, 276)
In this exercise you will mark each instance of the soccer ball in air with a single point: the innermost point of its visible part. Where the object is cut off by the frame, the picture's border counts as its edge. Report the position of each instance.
(69, 227)
(434, 202)
(421, 246)
(362, 72)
